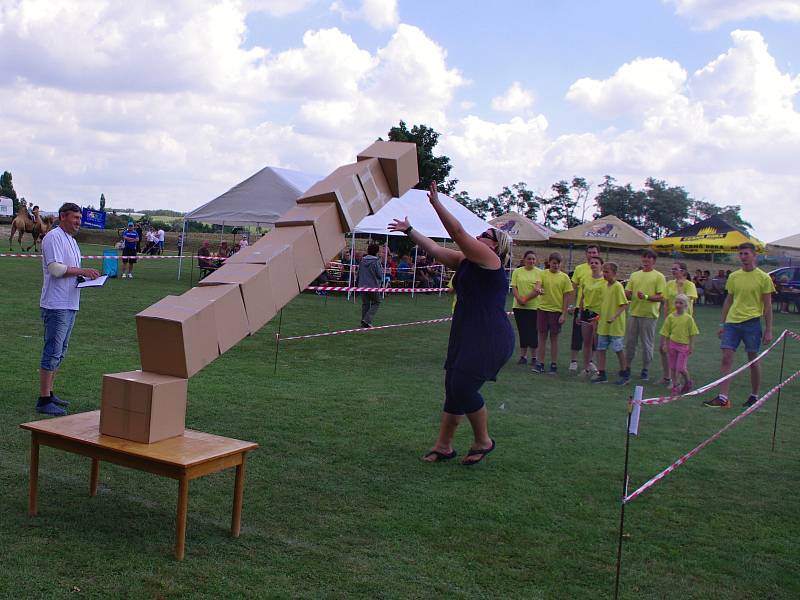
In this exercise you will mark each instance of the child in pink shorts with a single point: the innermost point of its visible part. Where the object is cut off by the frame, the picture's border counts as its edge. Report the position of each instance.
(677, 341)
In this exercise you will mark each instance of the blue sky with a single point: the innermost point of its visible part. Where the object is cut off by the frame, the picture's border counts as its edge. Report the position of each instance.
(169, 104)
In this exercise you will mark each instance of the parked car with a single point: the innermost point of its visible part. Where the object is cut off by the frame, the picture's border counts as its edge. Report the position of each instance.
(787, 277)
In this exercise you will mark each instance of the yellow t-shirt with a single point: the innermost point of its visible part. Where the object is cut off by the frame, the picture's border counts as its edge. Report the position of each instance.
(593, 293)
(581, 272)
(747, 289)
(679, 328)
(689, 289)
(556, 286)
(651, 282)
(613, 297)
(525, 280)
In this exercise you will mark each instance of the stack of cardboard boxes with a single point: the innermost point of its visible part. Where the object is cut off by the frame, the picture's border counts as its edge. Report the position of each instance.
(179, 335)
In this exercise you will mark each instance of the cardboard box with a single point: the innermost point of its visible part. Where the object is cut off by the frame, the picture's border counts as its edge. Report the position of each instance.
(229, 312)
(373, 181)
(143, 407)
(346, 192)
(176, 338)
(324, 217)
(399, 163)
(308, 261)
(254, 283)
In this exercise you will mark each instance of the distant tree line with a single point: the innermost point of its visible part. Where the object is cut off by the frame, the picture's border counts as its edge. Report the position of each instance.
(657, 209)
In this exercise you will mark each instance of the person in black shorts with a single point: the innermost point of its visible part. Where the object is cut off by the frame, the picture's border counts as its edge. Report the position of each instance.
(130, 239)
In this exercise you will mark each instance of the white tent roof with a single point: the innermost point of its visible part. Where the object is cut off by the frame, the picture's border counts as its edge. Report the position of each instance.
(260, 199)
(414, 204)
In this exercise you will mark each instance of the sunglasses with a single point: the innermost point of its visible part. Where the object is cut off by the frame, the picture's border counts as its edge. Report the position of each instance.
(488, 235)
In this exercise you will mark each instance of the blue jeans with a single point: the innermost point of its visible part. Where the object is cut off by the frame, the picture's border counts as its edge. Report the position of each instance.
(58, 325)
(748, 332)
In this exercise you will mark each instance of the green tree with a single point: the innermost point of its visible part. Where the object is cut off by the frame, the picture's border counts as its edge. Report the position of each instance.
(559, 208)
(7, 189)
(701, 210)
(431, 168)
(666, 208)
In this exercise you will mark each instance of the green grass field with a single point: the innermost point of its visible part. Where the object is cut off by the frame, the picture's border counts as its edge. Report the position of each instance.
(337, 502)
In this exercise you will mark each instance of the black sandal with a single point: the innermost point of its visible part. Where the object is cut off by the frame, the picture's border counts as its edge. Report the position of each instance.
(440, 456)
(482, 453)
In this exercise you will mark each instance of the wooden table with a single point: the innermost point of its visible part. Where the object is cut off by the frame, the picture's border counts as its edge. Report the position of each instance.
(184, 458)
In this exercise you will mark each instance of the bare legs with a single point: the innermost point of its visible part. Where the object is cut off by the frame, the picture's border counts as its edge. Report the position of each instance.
(479, 420)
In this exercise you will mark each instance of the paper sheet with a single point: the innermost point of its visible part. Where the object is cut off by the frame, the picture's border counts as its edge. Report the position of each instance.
(93, 282)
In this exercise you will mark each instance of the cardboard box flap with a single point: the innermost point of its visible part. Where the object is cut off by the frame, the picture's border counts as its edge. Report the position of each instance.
(398, 162)
(346, 191)
(262, 252)
(169, 308)
(372, 179)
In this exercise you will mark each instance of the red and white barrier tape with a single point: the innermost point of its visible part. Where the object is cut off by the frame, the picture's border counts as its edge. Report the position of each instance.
(682, 460)
(333, 288)
(138, 256)
(365, 329)
(713, 384)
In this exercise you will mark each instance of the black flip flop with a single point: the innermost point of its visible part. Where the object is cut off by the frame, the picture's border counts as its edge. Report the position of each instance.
(482, 453)
(440, 456)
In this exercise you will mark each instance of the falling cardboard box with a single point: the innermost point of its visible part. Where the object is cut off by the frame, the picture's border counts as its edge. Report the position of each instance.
(278, 257)
(398, 162)
(308, 260)
(254, 283)
(229, 313)
(176, 338)
(143, 407)
(373, 181)
(324, 217)
(346, 192)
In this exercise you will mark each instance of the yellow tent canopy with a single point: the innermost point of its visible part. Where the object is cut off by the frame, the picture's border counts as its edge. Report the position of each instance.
(608, 231)
(521, 228)
(711, 236)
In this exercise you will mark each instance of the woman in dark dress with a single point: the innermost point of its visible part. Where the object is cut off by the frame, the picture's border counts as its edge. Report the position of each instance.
(481, 336)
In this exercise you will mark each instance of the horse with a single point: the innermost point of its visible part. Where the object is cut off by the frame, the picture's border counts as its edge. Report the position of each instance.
(23, 224)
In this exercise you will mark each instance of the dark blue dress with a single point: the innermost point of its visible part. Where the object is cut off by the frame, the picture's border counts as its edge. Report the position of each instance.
(481, 336)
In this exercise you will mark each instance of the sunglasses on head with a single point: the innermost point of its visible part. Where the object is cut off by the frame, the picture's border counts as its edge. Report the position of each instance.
(488, 235)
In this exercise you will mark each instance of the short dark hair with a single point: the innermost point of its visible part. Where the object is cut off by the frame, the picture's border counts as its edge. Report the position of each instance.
(554, 256)
(68, 207)
(598, 257)
(612, 265)
(527, 252)
(649, 254)
(747, 246)
(373, 249)
(595, 246)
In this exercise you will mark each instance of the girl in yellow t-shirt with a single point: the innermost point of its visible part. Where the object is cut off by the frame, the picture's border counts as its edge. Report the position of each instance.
(677, 340)
(526, 285)
(589, 309)
(680, 285)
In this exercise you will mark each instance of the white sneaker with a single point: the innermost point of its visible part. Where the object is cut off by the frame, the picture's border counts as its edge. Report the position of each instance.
(130, 275)
(593, 368)
(124, 275)
(573, 366)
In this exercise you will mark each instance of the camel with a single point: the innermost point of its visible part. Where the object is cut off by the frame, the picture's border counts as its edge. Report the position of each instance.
(23, 224)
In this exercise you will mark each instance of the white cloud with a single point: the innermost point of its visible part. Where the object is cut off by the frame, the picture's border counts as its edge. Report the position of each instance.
(515, 100)
(636, 87)
(708, 14)
(275, 8)
(379, 14)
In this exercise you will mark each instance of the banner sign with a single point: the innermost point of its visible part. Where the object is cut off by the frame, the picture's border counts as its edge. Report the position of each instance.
(93, 219)
(6, 207)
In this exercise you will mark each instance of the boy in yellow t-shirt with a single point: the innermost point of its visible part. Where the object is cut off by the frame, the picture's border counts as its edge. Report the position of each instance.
(557, 294)
(677, 340)
(749, 298)
(611, 326)
(645, 290)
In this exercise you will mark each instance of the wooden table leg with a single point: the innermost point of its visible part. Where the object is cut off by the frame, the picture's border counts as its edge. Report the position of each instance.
(238, 492)
(95, 473)
(183, 506)
(33, 484)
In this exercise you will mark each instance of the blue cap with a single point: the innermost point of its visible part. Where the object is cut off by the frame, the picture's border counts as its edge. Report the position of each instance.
(130, 223)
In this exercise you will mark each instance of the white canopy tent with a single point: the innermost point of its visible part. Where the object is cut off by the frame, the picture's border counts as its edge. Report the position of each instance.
(414, 204)
(258, 200)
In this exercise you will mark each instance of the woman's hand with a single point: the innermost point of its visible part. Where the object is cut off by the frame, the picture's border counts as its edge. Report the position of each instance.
(433, 193)
(398, 225)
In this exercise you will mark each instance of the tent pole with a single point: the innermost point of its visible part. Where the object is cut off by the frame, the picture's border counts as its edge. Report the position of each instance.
(183, 245)
(385, 264)
(414, 273)
(350, 279)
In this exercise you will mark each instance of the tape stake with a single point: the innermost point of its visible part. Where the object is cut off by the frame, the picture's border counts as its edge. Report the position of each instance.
(638, 392)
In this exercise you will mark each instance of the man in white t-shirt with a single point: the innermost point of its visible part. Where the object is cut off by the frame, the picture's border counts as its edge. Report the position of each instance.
(160, 236)
(59, 302)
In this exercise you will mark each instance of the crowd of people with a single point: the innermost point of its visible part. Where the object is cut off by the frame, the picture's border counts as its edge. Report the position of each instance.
(605, 314)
